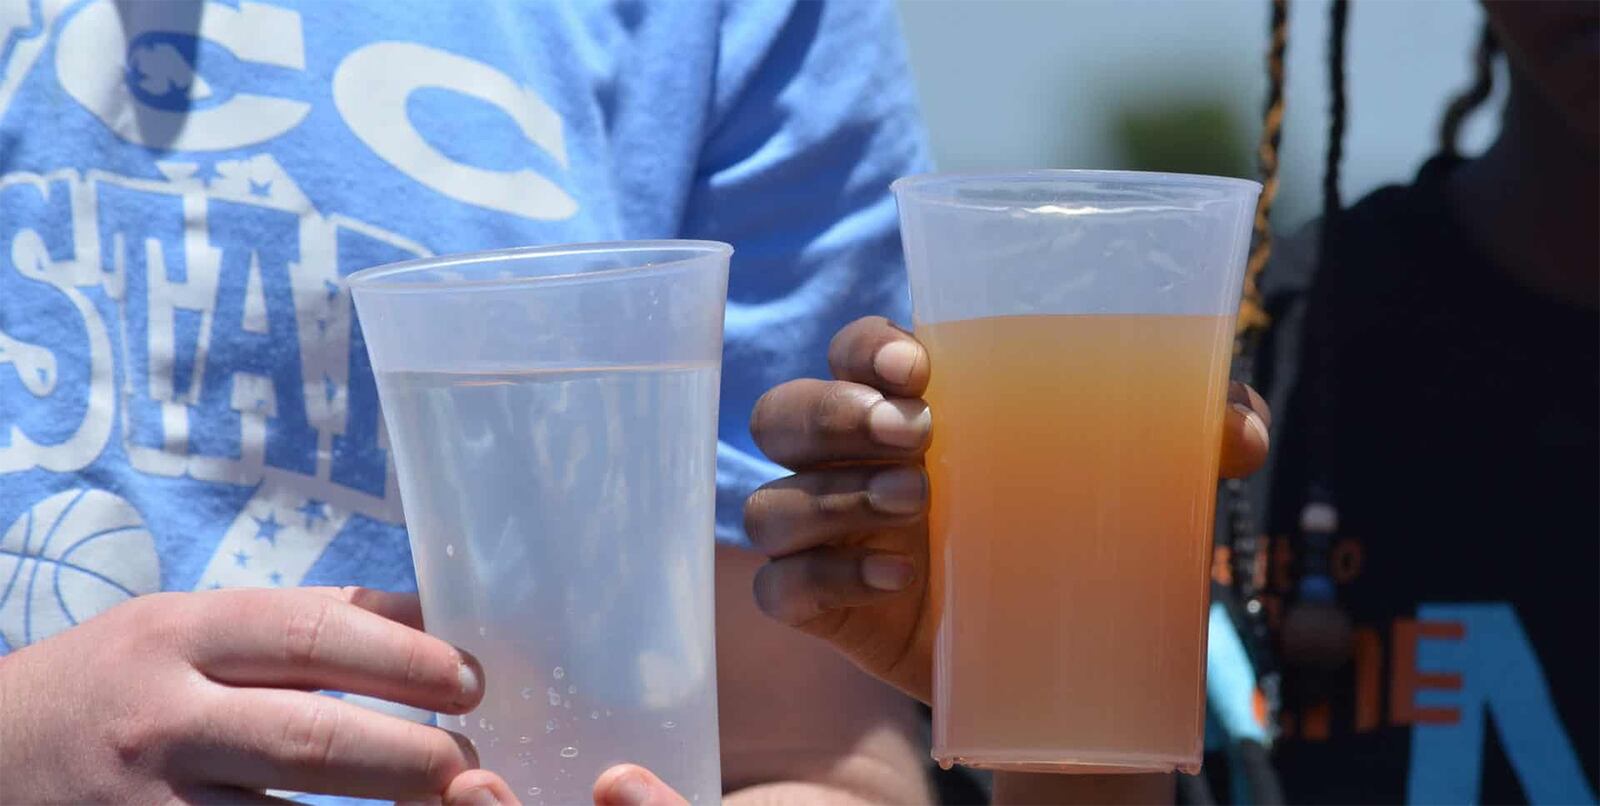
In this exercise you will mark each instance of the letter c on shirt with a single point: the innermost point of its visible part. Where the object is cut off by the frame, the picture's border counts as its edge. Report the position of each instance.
(253, 33)
(370, 89)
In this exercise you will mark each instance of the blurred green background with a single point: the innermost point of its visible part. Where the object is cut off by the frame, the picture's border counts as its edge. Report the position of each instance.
(1179, 85)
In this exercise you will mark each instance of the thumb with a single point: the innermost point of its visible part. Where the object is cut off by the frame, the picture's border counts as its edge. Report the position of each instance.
(479, 788)
(1244, 432)
(632, 785)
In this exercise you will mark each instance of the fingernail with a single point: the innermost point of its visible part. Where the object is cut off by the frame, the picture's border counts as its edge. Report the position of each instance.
(895, 361)
(1237, 393)
(886, 572)
(471, 681)
(897, 491)
(899, 423)
(630, 790)
(477, 796)
(1252, 422)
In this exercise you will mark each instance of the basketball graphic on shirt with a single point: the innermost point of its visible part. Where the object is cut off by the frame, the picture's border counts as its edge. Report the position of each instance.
(68, 558)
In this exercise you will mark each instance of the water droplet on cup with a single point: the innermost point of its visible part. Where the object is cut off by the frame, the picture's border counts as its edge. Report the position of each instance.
(483, 631)
(669, 725)
(572, 689)
(526, 739)
(555, 696)
(559, 673)
(450, 550)
(533, 790)
(594, 714)
(462, 720)
(527, 693)
(569, 752)
(549, 726)
(483, 723)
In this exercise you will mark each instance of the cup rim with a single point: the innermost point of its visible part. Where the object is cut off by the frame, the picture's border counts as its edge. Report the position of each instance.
(918, 185)
(384, 277)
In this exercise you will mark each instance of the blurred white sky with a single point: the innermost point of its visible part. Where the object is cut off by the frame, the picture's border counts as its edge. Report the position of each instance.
(1032, 83)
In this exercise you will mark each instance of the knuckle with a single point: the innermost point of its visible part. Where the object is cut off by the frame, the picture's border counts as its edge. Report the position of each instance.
(156, 622)
(311, 734)
(303, 630)
(148, 737)
(138, 739)
(841, 410)
(444, 758)
(430, 667)
(838, 504)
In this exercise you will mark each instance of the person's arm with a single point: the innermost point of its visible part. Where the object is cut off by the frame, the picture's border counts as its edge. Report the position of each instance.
(800, 723)
(813, 116)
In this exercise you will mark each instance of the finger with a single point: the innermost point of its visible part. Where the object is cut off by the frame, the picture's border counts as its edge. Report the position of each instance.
(1243, 394)
(274, 738)
(809, 422)
(809, 509)
(479, 788)
(1244, 442)
(801, 587)
(405, 608)
(632, 785)
(874, 351)
(298, 639)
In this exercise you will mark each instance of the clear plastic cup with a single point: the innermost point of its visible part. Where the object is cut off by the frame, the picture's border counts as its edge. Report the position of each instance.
(1079, 325)
(553, 416)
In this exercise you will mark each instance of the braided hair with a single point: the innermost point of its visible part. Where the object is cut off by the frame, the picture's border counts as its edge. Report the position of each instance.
(1252, 314)
(1468, 100)
(1245, 547)
(1249, 548)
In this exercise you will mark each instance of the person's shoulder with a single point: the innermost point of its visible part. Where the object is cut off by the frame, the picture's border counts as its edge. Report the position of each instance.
(1385, 225)
(1395, 219)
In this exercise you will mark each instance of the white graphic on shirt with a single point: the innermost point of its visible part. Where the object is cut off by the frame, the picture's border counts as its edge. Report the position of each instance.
(189, 314)
(371, 87)
(68, 558)
(36, 365)
(23, 26)
(139, 278)
(274, 540)
(253, 32)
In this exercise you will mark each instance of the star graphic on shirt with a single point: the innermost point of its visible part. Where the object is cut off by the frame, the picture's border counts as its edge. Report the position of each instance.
(267, 529)
(262, 189)
(240, 558)
(275, 578)
(314, 511)
(206, 172)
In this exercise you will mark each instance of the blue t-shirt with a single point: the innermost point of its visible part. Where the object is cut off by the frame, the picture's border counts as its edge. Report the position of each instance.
(185, 399)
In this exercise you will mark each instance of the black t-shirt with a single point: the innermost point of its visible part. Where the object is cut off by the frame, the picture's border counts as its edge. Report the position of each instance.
(1458, 420)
